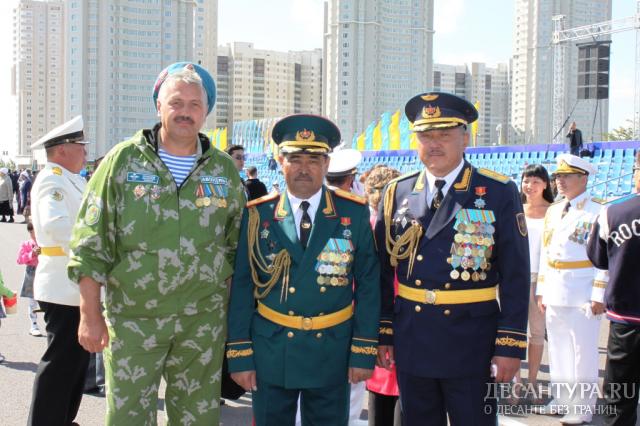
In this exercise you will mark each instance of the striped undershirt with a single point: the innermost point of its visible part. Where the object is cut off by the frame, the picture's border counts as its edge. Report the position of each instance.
(178, 165)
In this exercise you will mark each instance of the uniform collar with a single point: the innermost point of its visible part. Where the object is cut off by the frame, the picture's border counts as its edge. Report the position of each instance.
(579, 202)
(314, 202)
(449, 178)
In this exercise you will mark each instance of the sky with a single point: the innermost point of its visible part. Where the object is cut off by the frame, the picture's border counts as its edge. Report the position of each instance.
(465, 31)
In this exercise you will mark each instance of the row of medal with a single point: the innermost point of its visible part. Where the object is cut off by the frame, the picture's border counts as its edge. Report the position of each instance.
(473, 245)
(580, 235)
(205, 195)
(141, 190)
(334, 261)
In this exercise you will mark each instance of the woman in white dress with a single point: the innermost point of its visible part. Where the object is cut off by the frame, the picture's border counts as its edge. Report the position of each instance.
(536, 198)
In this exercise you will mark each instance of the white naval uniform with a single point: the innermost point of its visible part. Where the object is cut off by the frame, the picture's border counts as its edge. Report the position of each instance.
(55, 200)
(568, 283)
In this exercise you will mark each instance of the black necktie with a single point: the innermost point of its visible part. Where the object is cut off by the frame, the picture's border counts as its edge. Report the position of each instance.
(439, 196)
(566, 209)
(305, 224)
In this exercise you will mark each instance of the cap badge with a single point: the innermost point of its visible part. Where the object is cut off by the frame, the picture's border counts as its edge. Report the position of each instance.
(429, 98)
(305, 135)
(189, 67)
(431, 112)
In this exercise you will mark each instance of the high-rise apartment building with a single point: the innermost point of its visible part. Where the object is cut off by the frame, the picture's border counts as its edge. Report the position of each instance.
(487, 85)
(254, 84)
(38, 66)
(114, 52)
(377, 55)
(532, 71)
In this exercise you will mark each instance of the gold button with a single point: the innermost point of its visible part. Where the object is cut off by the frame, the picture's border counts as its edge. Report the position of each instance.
(290, 312)
(323, 289)
(419, 257)
(447, 312)
(447, 285)
(418, 283)
(292, 290)
(418, 308)
(290, 334)
(319, 335)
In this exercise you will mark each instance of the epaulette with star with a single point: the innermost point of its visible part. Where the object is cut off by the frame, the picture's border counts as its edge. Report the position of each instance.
(350, 196)
(599, 200)
(263, 199)
(494, 175)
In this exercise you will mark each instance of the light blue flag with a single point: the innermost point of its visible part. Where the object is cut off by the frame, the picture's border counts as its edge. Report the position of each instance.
(405, 133)
(385, 121)
(368, 141)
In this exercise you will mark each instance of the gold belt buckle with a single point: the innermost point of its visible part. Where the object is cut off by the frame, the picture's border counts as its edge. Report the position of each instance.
(307, 324)
(430, 297)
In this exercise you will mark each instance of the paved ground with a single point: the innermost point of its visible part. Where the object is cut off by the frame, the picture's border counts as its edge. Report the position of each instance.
(23, 352)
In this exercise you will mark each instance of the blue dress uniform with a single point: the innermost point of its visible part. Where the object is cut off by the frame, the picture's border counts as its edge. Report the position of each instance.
(614, 244)
(302, 317)
(452, 265)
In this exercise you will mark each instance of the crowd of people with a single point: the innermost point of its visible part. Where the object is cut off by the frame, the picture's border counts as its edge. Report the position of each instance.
(427, 289)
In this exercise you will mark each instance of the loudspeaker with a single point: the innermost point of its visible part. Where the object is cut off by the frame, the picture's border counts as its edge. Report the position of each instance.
(593, 70)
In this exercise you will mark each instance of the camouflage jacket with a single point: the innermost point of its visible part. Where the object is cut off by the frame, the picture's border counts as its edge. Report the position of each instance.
(159, 249)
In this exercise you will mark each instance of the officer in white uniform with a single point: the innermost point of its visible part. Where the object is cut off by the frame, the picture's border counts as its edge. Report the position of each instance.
(343, 167)
(56, 197)
(570, 290)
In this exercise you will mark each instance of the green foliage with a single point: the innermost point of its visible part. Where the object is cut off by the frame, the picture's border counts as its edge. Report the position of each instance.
(622, 133)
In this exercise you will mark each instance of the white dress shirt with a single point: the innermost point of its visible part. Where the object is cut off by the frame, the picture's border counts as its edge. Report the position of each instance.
(448, 179)
(314, 202)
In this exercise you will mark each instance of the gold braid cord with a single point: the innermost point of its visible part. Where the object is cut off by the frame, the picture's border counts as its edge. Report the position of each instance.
(278, 269)
(406, 246)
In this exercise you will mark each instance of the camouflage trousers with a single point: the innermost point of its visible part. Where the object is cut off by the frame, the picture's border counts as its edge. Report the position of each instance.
(186, 350)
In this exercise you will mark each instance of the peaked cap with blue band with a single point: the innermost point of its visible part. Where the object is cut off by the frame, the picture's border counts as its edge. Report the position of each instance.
(439, 110)
(305, 133)
(207, 81)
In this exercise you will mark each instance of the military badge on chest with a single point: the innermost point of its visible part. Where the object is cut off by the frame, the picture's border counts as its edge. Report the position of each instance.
(334, 262)
(580, 234)
(472, 245)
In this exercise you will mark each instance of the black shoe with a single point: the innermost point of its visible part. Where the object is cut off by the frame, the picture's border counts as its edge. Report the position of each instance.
(3, 219)
(11, 219)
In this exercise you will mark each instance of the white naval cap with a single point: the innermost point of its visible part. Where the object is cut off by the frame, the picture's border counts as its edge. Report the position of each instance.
(344, 162)
(69, 132)
(568, 163)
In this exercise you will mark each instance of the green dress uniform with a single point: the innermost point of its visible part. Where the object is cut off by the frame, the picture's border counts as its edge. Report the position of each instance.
(301, 317)
(162, 253)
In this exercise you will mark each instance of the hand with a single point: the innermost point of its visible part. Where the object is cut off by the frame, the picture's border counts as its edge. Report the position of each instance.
(36, 251)
(356, 375)
(385, 357)
(597, 308)
(246, 379)
(507, 368)
(92, 333)
(541, 305)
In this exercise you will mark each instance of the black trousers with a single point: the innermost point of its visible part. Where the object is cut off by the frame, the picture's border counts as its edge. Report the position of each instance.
(384, 410)
(428, 401)
(57, 389)
(622, 374)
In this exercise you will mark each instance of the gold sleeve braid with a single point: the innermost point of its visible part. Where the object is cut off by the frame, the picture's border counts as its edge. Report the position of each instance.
(278, 269)
(406, 246)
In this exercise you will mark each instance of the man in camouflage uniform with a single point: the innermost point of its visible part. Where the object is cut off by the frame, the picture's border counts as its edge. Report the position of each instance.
(161, 239)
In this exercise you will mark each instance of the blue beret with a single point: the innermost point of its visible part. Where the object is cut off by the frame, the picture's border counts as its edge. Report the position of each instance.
(207, 81)
(439, 110)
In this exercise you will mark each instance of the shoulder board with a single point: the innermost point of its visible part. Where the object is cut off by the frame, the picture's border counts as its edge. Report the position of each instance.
(56, 171)
(494, 175)
(598, 200)
(350, 196)
(405, 176)
(263, 199)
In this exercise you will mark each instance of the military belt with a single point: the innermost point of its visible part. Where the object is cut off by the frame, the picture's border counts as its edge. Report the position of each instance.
(447, 297)
(52, 251)
(305, 323)
(579, 264)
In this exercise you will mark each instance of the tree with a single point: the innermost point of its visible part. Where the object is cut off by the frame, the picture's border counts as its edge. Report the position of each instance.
(622, 133)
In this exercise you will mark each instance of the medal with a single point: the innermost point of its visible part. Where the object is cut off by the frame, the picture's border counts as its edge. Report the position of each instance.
(483, 276)
(471, 228)
(480, 192)
(475, 276)
(454, 274)
(264, 234)
(222, 203)
(139, 191)
(198, 202)
(458, 238)
(155, 192)
(465, 275)
(320, 280)
(334, 281)
(461, 227)
(346, 234)
(206, 201)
